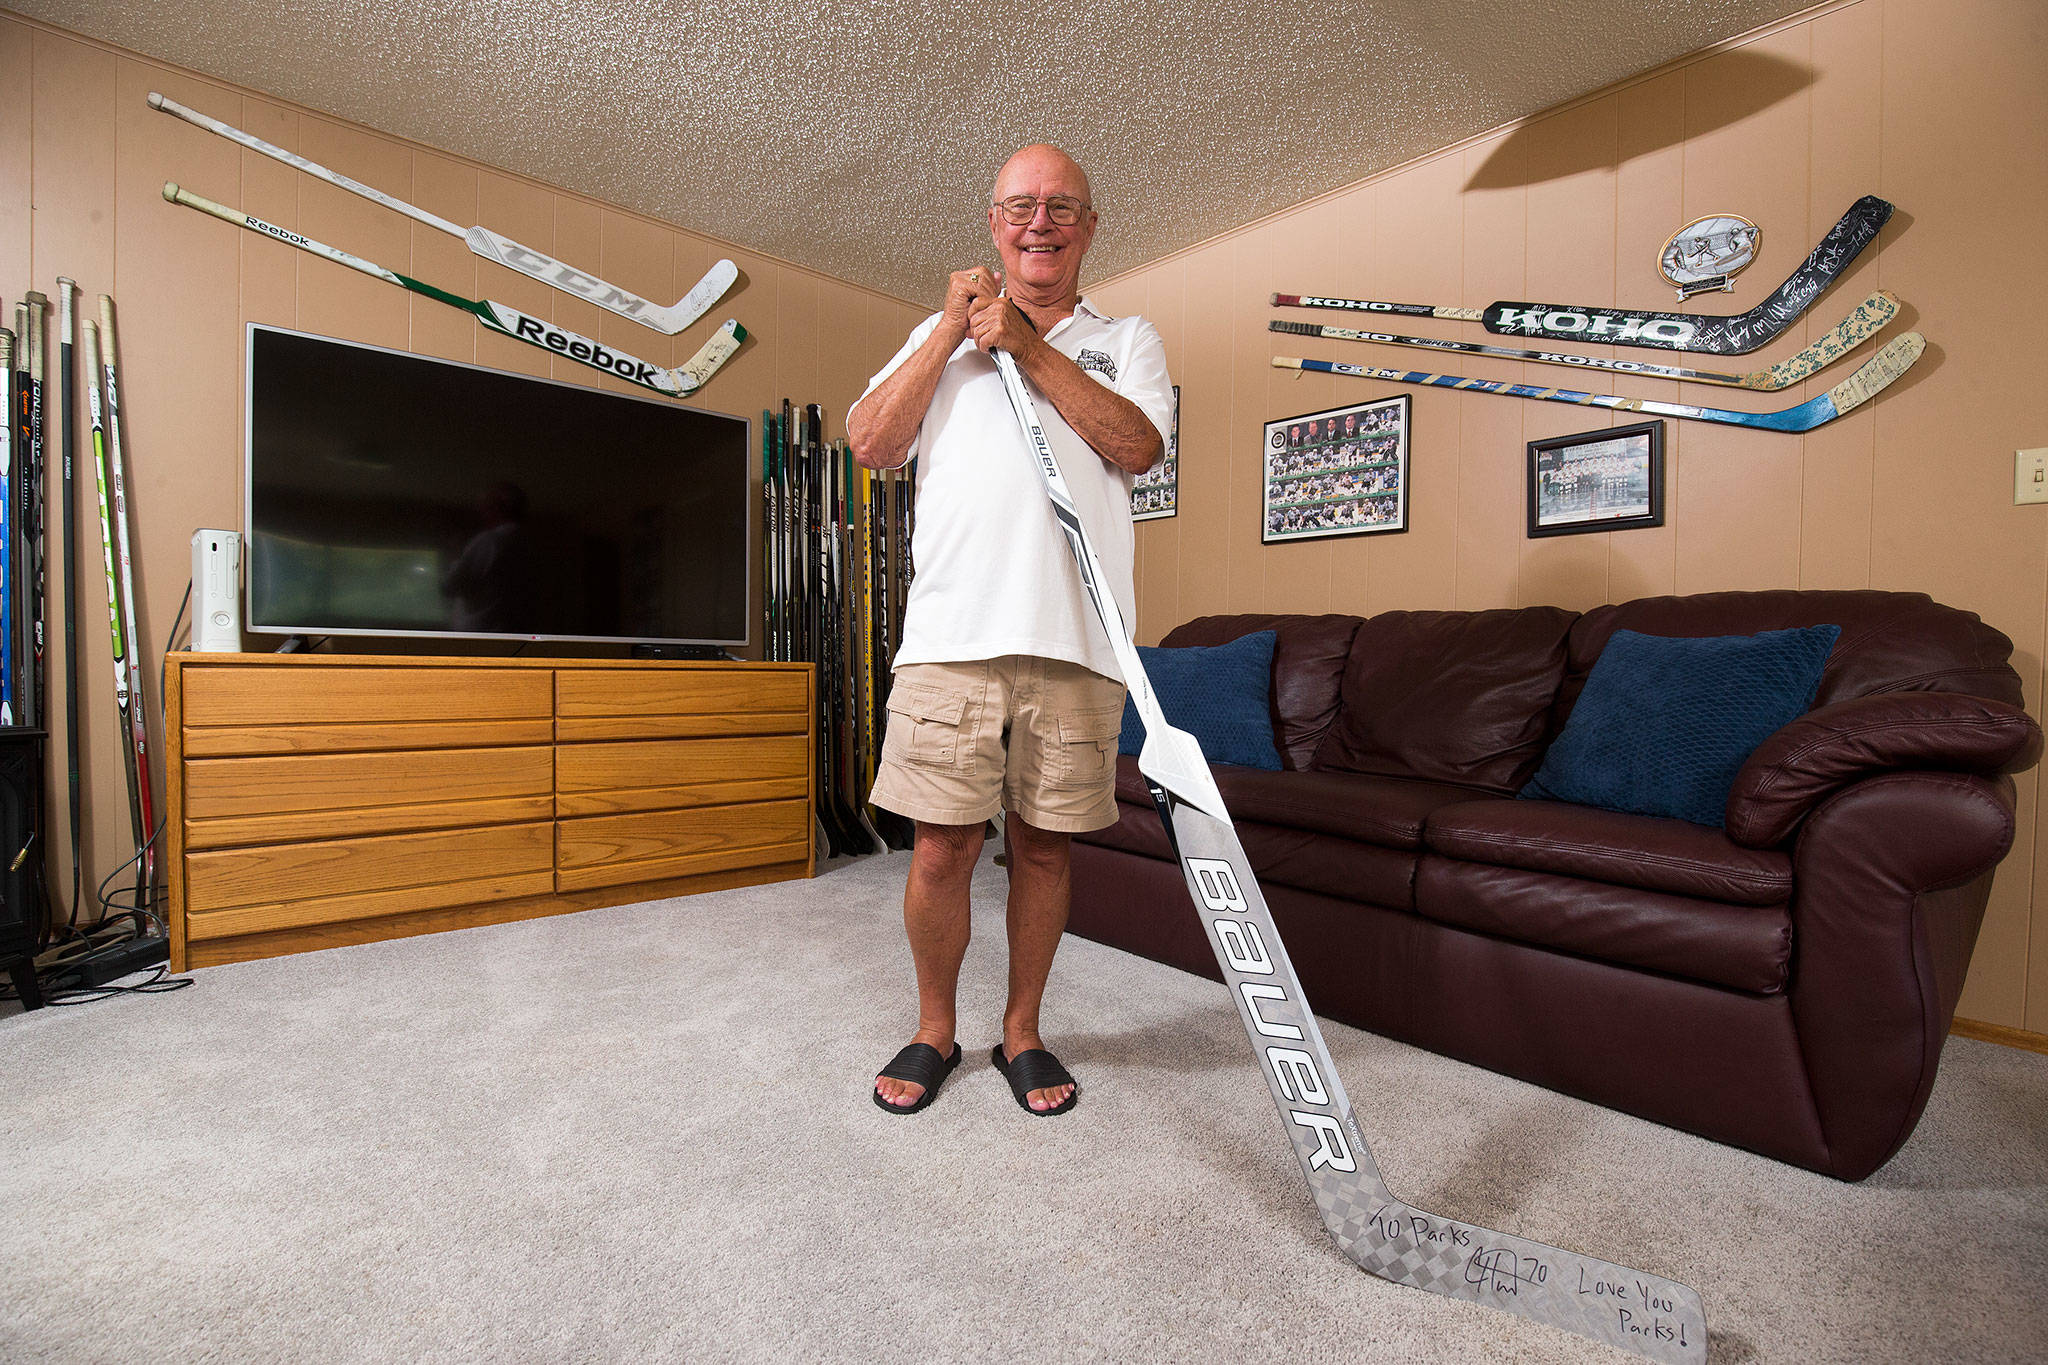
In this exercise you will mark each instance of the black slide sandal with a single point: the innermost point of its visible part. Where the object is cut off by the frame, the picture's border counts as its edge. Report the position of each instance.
(920, 1064)
(1035, 1069)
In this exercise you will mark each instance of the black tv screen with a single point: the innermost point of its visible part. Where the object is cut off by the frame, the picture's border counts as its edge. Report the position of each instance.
(390, 494)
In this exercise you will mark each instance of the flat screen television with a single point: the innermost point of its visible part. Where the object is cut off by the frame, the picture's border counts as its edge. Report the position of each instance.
(392, 494)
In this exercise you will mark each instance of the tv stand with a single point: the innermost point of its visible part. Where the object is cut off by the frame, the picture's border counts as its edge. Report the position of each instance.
(325, 799)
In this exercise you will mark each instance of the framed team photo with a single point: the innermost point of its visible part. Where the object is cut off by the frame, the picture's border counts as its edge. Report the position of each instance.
(1156, 492)
(1611, 480)
(1339, 472)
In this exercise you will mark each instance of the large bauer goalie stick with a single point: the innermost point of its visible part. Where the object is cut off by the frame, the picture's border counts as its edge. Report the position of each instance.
(501, 318)
(1736, 335)
(1892, 359)
(1644, 1313)
(488, 244)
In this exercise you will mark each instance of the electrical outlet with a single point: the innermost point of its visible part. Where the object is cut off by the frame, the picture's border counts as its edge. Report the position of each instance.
(2030, 475)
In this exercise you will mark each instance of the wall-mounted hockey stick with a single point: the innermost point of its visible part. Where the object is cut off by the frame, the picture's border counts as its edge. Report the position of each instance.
(1866, 321)
(1736, 335)
(502, 319)
(1645, 1313)
(1893, 359)
(490, 245)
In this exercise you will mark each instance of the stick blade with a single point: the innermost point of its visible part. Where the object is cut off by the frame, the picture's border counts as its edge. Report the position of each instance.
(1649, 1315)
(1892, 360)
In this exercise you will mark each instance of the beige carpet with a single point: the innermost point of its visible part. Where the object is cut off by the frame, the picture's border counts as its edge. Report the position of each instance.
(644, 1133)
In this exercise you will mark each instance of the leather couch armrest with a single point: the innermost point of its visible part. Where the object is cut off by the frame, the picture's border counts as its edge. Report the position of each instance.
(1827, 749)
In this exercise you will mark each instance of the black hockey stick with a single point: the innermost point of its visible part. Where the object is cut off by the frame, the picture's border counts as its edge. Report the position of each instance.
(1736, 335)
(1653, 1316)
(67, 452)
(1865, 321)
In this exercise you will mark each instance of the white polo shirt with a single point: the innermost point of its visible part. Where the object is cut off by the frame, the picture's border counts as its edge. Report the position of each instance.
(992, 572)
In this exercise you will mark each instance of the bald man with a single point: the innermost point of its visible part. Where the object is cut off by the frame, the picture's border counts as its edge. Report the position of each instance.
(1006, 695)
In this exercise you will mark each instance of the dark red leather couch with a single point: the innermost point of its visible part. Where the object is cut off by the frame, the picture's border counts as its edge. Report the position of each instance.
(1784, 986)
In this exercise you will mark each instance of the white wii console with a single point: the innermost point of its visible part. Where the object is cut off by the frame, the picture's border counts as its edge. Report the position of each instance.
(217, 591)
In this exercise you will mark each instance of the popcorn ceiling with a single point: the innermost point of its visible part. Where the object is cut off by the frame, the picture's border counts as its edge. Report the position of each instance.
(861, 139)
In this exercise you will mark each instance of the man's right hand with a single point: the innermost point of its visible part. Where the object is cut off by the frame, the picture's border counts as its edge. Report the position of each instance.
(963, 289)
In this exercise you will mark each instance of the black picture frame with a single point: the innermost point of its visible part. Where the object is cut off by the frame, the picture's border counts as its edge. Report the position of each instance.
(1319, 480)
(1606, 480)
(1156, 492)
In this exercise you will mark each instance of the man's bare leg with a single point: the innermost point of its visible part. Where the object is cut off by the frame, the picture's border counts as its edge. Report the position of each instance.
(1041, 888)
(937, 916)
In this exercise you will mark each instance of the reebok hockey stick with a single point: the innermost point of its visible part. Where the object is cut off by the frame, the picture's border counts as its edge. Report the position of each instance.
(489, 245)
(1653, 1316)
(1736, 335)
(1868, 319)
(1893, 359)
(504, 320)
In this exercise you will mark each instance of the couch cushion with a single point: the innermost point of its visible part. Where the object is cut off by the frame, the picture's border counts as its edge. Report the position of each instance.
(1220, 694)
(1388, 811)
(1664, 724)
(1745, 947)
(1284, 857)
(1449, 696)
(1891, 641)
(1643, 851)
(1308, 667)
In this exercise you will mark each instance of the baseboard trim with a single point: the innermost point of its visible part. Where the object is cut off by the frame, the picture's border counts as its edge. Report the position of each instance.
(2000, 1033)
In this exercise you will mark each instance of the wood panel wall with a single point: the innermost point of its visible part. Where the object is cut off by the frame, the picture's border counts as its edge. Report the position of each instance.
(82, 164)
(1937, 105)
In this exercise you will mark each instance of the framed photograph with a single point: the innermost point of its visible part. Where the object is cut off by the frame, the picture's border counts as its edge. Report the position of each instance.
(1339, 472)
(1610, 480)
(1156, 493)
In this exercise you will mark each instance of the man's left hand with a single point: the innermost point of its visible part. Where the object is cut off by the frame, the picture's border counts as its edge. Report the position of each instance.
(995, 324)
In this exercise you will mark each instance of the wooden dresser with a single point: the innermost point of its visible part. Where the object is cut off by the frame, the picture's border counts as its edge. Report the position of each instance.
(317, 800)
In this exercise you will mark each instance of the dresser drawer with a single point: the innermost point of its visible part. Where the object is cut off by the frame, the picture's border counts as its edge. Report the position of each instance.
(595, 704)
(246, 710)
(657, 774)
(250, 890)
(612, 850)
(320, 796)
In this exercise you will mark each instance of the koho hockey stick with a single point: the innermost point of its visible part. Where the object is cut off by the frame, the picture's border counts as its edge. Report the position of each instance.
(1736, 335)
(490, 245)
(502, 319)
(1893, 359)
(1653, 1316)
(1868, 319)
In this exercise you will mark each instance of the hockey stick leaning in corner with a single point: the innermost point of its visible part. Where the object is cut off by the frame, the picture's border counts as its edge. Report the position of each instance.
(488, 244)
(1644, 1313)
(1865, 321)
(1736, 335)
(1893, 359)
(504, 320)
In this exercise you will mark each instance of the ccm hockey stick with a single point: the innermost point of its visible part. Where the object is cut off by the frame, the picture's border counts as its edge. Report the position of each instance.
(1866, 321)
(489, 245)
(1648, 1314)
(504, 320)
(1893, 359)
(1736, 335)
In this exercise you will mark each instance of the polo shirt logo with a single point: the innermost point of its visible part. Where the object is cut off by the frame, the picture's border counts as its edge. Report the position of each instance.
(1096, 360)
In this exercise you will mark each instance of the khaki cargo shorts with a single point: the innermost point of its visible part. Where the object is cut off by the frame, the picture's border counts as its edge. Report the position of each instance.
(1033, 736)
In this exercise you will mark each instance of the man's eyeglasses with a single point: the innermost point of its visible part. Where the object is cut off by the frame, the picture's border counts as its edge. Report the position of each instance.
(1019, 209)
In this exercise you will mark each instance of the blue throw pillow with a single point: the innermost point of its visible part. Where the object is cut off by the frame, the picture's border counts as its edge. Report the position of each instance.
(1220, 694)
(1664, 725)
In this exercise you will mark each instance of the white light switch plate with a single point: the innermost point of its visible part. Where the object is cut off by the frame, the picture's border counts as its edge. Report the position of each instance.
(2030, 475)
